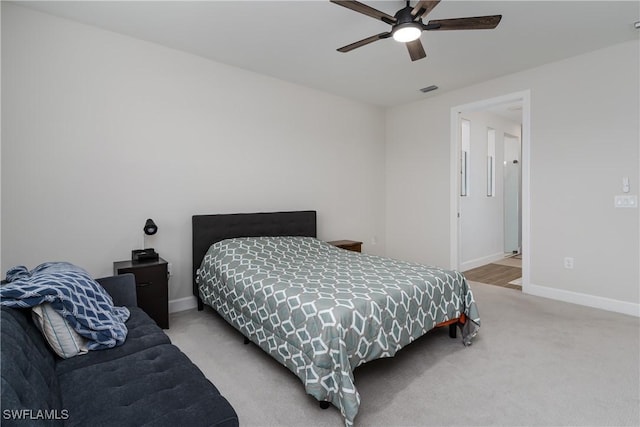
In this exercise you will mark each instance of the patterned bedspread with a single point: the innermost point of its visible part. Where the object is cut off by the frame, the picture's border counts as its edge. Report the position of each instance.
(322, 311)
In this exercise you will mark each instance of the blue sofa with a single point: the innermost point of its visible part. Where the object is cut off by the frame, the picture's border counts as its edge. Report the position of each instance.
(147, 381)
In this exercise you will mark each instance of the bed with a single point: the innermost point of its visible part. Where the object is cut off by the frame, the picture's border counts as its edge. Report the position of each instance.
(319, 310)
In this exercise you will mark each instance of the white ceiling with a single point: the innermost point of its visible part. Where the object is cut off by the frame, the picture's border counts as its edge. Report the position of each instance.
(296, 41)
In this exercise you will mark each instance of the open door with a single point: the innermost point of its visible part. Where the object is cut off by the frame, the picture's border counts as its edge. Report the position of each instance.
(512, 186)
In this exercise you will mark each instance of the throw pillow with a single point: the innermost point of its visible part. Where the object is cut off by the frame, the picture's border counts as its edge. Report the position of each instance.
(62, 338)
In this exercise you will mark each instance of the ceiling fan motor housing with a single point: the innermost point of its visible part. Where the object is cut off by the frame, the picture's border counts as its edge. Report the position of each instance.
(404, 16)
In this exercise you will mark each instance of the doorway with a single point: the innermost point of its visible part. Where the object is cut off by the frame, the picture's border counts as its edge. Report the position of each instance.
(508, 167)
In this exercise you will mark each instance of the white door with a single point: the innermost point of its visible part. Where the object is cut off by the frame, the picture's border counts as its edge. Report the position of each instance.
(512, 194)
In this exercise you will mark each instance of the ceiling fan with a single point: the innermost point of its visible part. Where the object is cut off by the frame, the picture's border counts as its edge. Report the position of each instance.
(407, 26)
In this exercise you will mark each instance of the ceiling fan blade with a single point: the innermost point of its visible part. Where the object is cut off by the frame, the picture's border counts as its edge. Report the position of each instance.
(366, 10)
(423, 8)
(416, 51)
(475, 23)
(363, 42)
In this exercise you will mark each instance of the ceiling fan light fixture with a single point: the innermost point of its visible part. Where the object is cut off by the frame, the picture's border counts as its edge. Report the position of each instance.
(407, 32)
(407, 26)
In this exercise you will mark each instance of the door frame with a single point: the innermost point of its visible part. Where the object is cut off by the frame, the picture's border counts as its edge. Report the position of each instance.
(525, 98)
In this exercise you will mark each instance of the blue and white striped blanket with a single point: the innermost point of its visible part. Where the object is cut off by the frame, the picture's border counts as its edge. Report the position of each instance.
(79, 299)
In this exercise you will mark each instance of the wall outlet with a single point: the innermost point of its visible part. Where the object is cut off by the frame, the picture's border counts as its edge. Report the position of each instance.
(568, 263)
(169, 268)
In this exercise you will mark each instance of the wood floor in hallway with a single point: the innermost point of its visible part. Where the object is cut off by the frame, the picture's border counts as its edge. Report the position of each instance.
(495, 274)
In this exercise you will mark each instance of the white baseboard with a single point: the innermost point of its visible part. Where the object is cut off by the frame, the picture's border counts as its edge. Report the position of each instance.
(602, 303)
(478, 262)
(182, 304)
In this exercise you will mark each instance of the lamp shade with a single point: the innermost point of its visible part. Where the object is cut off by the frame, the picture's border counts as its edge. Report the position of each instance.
(150, 227)
(407, 32)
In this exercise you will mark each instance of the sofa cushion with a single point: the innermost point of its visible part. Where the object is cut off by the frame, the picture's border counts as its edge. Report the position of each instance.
(157, 386)
(143, 333)
(28, 366)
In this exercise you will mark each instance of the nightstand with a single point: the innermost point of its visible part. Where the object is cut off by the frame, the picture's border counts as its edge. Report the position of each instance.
(152, 287)
(350, 245)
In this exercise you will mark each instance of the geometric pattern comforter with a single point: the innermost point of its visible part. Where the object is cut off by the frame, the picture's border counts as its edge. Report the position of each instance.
(322, 311)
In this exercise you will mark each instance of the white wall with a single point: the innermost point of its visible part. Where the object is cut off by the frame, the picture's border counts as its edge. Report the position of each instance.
(101, 131)
(584, 139)
(0, 145)
(482, 217)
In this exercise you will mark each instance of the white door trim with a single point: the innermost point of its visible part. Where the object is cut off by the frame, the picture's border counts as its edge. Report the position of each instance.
(525, 98)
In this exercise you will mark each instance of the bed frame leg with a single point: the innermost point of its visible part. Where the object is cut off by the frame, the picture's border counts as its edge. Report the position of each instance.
(200, 304)
(453, 330)
(246, 340)
(324, 404)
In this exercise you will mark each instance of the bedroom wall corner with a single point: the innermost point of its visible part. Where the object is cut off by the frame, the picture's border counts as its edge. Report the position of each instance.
(101, 131)
(580, 150)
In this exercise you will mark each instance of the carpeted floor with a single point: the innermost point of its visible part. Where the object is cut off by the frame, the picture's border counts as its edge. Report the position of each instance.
(535, 362)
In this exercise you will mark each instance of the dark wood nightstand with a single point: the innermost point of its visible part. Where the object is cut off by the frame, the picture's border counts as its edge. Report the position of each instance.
(152, 287)
(350, 245)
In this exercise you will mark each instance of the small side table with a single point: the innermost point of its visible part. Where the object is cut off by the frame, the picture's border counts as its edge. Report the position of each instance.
(152, 287)
(350, 245)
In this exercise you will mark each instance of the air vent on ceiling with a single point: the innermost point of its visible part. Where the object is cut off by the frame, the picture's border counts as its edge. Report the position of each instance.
(428, 88)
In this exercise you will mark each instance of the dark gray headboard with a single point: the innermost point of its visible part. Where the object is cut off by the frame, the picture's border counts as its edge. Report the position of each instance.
(209, 229)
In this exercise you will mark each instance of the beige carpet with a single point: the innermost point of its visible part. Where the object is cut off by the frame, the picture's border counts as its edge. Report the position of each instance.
(535, 362)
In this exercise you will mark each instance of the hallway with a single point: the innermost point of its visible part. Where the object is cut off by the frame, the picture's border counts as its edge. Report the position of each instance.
(506, 273)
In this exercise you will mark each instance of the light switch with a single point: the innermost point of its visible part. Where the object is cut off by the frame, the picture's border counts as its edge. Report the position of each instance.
(626, 201)
(625, 185)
